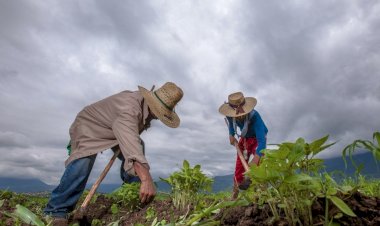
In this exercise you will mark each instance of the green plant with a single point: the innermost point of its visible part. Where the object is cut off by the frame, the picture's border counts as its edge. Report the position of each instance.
(369, 187)
(25, 215)
(186, 184)
(329, 190)
(212, 209)
(5, 194)
(127, 195)
(114, 209)
(150, 213)
(287, 178)
(96, 222)
(363, 144)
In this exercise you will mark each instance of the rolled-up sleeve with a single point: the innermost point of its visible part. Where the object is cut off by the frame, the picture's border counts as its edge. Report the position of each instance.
(126, 131)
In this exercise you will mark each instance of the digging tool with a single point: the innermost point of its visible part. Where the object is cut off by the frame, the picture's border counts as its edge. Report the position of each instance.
(240, 154)
(81, 213)
(246, 183)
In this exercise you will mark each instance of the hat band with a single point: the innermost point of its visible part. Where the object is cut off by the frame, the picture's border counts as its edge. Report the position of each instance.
(166, 106)
(238, 108)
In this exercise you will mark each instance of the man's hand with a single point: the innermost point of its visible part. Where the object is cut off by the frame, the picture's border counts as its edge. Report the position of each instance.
(233, 140)
(147, 189)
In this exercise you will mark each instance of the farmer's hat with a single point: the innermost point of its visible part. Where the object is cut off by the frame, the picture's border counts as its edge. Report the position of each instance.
(237, 105)
(162, 102)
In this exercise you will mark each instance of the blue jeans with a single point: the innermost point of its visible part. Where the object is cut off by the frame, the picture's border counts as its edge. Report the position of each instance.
(73, 182)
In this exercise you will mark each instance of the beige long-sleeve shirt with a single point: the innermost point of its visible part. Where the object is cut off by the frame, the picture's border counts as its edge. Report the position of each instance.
(115, 120)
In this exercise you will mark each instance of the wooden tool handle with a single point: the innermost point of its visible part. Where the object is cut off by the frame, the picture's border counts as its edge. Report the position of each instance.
(99, 180)
(242, 159)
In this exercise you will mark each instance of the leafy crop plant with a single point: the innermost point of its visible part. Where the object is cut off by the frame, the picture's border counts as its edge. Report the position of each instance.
(186, 184)
(289, 180)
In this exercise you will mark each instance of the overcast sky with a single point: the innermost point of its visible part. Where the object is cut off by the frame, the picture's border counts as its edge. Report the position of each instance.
(314, 67)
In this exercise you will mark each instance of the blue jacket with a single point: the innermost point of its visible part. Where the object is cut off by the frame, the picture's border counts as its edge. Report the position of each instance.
(256, 128)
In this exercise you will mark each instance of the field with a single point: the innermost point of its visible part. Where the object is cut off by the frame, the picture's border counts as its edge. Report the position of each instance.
(289, 187)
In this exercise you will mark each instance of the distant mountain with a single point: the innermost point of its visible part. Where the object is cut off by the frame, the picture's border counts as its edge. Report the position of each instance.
(370, 169)
(221, 183)
(23, 185)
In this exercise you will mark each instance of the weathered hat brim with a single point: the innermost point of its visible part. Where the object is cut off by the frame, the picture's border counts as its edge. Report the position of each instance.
(168, 117)
(227, 110)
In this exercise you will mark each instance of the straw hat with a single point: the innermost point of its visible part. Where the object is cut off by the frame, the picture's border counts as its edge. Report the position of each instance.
(162, 102)
(237, 105)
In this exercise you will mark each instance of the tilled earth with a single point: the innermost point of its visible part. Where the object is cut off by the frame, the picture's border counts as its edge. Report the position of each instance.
(101, 209)
(366, 208)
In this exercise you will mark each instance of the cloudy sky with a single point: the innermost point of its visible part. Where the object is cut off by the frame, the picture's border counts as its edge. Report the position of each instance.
(314, 67)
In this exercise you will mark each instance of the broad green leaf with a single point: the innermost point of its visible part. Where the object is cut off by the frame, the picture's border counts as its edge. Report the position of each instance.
(300, 141)
(296, 156)
(297, 178)
(1, 202)
(317, 144)
(27, 216)
(299, 146)
(186, 164)
(342, 206)
(281, 153)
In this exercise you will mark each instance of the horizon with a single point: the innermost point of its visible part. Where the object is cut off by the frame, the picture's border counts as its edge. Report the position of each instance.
(363, 156)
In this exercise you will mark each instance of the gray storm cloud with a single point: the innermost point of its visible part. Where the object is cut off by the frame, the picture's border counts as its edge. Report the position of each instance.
(313, 66)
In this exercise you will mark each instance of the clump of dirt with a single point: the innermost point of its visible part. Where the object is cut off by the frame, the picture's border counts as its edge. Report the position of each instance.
(100, 209)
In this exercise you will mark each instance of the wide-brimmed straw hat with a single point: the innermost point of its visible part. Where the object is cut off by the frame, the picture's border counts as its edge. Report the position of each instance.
(162, 102)
(237, 105)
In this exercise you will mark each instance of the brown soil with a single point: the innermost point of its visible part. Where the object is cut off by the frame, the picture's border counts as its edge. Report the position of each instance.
(163, 209)
(366, 208)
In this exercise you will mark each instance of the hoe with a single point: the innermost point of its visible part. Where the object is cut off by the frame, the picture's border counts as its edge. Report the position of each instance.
(80, 214)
